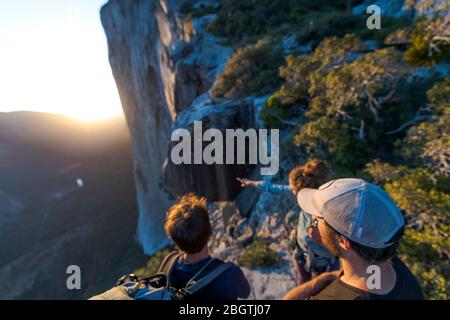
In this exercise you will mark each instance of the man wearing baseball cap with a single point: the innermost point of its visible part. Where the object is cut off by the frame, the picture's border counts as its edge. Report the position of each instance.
(360, 223)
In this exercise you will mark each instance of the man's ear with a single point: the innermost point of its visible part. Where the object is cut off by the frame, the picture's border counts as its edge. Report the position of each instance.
(344, 243)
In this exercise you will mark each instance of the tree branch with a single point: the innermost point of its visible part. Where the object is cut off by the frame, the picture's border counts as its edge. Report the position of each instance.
(414, 121)
(286, 122)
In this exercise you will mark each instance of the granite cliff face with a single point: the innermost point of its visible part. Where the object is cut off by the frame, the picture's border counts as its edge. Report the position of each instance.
(164, 68)
(141, 35)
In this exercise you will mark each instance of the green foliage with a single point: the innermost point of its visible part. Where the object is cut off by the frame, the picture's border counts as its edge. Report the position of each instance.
(389, 25)
(325, 138)
(351, 100)
(259, 255)
(153, 263)
(239, 19)
(439, 95)
(320, 25)
(187, 8)
(426, 254)
(301, 73)
(419, 197)
(399, 37)
(428, 46)
(382, 172)
(428, 144)
(252, 70)
(274, 113)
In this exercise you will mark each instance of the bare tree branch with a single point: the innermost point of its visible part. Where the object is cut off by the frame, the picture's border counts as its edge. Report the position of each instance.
(414, 121)
(361, 133)
(283, 121)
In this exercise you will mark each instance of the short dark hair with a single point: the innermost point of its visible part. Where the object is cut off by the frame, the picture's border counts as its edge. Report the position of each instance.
(372, 255)
(188, 224)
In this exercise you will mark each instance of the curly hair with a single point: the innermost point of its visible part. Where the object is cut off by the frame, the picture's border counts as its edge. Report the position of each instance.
(311, 175)
(187, 223)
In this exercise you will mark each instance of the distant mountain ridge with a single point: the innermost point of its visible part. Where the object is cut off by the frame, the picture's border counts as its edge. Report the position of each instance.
(60, 133)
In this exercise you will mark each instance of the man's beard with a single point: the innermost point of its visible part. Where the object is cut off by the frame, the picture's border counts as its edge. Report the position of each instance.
(330, 243)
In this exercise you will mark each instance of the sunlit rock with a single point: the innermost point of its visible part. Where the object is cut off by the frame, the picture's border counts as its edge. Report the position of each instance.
(161, 64)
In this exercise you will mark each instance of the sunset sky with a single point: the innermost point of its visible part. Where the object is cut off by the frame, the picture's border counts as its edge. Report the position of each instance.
(53, 58)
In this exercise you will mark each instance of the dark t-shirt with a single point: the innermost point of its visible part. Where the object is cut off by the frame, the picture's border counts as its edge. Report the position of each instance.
(406, 288)
(230, 285)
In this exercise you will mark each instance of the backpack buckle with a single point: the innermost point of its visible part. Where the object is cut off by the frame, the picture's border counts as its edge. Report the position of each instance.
(182, 293)
(125, 278)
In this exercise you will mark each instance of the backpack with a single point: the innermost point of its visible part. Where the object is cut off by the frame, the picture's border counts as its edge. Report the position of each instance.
(158, 286)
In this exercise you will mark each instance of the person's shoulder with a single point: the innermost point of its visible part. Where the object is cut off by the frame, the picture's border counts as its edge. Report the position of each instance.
(234, 271)
(329, 293)
(235, 282)
(410, 284)
(404, 271)
(337, 290)
(401, 267)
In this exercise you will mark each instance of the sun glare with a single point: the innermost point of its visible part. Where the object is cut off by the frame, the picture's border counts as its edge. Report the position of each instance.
(56, 60)
(91, 115)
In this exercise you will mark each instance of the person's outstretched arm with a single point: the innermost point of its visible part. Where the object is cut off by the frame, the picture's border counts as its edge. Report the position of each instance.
(249, 183)
(312, 287)
(265, 186)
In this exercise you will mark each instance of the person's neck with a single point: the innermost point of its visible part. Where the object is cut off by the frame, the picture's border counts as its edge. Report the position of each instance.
(195, 257)
(355, 274)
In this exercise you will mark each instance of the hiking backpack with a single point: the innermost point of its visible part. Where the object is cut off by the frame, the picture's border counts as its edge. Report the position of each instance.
(158, 286)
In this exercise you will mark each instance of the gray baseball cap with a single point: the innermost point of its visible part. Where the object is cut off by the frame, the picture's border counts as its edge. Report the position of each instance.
(359, 210)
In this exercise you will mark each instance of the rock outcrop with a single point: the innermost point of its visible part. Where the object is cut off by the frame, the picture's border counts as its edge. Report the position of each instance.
(217, 182)
(273, 218)
(161, 64)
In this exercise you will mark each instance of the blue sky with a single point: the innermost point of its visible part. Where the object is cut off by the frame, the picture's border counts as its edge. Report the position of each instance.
(53, 58)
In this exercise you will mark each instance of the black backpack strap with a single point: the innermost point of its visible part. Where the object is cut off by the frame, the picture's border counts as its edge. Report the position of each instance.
(211, 271)
(167, 265)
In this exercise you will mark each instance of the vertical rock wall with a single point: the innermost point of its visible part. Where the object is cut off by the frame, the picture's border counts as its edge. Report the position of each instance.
(161, 65)
(141, 38)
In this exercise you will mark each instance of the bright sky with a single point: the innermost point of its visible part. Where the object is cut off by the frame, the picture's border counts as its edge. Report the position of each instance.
(54, 58)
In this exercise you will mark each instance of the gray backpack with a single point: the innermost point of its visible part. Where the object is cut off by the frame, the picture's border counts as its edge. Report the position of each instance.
(158, 287)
